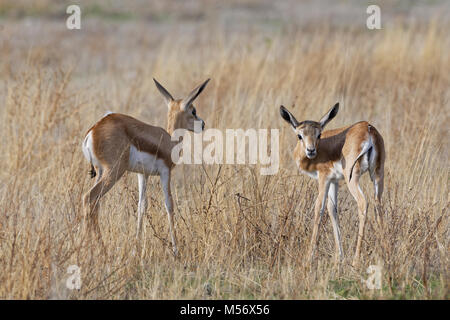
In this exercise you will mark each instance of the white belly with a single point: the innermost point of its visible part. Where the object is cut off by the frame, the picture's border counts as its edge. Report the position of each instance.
(143, 162)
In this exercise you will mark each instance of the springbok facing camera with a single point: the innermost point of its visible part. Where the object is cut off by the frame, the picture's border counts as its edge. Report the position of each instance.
(333, 155)
(119, 143)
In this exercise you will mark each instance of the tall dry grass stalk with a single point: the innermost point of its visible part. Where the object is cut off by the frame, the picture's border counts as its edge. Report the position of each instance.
(230, 246)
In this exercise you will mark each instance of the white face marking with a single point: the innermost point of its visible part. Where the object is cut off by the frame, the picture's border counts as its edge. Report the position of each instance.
(143, 162)
(309, 139)
(198, 125)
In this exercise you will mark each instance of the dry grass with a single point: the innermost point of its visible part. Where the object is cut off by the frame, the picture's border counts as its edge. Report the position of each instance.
(55, 83)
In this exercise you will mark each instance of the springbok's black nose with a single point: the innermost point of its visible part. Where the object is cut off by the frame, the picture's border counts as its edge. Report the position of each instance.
(310, 150)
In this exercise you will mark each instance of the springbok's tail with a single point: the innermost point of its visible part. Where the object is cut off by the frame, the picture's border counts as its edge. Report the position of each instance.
(92, 172)
(366, 148)
(87, 148)
(88, 155)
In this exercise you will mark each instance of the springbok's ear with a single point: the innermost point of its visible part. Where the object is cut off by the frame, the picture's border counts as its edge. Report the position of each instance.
(288, 117)
(167, 96)
(193, 95)
(329, 115)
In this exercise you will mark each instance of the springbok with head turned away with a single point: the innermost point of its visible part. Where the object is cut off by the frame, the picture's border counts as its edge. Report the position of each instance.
(119, 143)
(333, 155)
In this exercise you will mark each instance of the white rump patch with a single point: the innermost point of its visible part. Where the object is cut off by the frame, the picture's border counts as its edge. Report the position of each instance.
(365, 147)
(364, 163)
(88, 150)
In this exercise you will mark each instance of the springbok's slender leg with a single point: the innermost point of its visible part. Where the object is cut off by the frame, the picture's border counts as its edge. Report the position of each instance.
(378, 183)
(357, 193)
(86, 205)
(99, 174)
(165, 182)
(318, 213)
(333, 213)
(142, 205)
(92, 197)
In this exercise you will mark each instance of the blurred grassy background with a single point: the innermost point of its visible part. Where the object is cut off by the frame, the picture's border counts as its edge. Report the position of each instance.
(55, 83)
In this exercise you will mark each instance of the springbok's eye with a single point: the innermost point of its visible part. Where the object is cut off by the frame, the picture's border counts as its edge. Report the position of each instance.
(194, 112)
(319, 136)
(299, 137)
